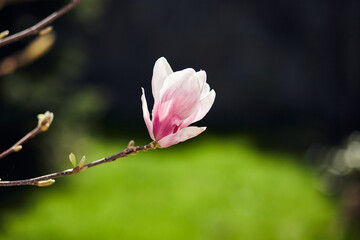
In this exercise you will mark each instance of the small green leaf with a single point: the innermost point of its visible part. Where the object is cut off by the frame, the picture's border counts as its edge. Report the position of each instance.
(82, 161)
(72, 159)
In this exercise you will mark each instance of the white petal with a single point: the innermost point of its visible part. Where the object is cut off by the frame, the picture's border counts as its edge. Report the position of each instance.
(205, 105)
(203, 88)
(146, 115)
(181, 136)
(201, 76)
(175, 79)
(161, 71)
(205, 91)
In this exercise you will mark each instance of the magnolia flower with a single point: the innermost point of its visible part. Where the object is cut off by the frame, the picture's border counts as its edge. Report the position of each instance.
(180, 98)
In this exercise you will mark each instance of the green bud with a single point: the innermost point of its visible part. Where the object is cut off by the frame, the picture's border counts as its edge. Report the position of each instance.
(45, 183)
(82, 161)
(17, 148)
(72, 159)
(4, 34)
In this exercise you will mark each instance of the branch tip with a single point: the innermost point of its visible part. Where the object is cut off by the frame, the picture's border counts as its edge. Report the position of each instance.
(45, 120)
(43, 125)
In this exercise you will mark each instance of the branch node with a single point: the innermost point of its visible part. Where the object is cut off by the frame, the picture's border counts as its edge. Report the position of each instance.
(83, 168)
(154, 145)
(78, 169)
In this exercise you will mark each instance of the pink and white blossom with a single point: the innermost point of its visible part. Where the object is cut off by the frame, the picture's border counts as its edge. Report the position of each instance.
(180, 99)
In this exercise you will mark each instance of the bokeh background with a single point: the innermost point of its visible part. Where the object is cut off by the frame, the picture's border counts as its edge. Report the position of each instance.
(280, 158)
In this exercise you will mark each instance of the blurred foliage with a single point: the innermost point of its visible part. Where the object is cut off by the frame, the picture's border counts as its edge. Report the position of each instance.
(210, 189)
(90, 11)
(340, 172)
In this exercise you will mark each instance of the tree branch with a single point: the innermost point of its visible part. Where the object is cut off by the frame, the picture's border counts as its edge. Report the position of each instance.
(34, 50)
(37, 28)
(47, 180)
(43, 124)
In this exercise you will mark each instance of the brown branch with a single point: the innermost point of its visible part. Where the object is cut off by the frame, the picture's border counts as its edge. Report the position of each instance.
(33, 51)
(47, 180)
(43, 124)
(36, 29)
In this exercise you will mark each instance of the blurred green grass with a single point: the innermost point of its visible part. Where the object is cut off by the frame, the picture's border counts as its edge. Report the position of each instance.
(206, 189)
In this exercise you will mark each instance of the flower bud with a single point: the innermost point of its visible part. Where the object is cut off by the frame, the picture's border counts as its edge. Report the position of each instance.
(4, 34)
(45, 120)
(45, 183)
(17, 148)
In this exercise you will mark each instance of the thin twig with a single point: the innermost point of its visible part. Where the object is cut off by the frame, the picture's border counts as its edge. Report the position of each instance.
(43, 124)
(36, 29)
(31, 134)
(33, 51)
(48, 179)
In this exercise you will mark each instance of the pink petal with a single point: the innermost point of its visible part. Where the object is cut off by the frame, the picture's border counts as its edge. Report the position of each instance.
(181, 136)
(161, 71)
(177, 102)
(146, 114)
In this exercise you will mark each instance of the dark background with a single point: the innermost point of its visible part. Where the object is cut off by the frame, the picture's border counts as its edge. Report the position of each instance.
(286, 73)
